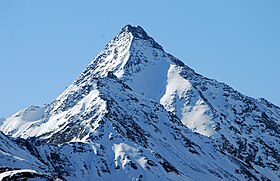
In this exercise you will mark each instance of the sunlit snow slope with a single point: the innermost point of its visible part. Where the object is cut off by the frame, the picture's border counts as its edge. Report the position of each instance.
(139, 113)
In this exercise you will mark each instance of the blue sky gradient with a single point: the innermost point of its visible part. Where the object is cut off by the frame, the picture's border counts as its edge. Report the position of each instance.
(45, 45)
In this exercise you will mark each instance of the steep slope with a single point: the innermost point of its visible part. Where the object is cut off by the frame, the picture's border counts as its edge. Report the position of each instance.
(129, 106)
(243, 127)
(13, 156)
(135, 138)
(20, 159)
(123, 135)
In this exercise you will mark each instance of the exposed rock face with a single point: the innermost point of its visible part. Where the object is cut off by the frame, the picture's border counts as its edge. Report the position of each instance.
(138, 113)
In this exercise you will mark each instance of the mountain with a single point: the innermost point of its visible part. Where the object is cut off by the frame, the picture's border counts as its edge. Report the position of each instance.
(139, 113)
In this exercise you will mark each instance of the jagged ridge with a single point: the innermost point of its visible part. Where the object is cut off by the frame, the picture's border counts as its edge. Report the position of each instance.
(133, 94)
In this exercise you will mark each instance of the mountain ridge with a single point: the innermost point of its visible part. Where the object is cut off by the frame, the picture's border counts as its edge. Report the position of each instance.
(134, 96)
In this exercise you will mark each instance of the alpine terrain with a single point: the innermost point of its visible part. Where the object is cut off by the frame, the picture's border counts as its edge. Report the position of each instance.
(139, 113)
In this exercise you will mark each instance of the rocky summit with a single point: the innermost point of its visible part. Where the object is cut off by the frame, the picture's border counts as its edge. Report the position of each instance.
(139, 113)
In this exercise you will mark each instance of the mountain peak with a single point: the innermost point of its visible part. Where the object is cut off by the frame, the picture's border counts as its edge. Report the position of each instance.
(131, 116)
(139, 32)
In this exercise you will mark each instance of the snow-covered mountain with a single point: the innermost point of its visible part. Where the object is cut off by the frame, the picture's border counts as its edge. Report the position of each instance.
(138, 113)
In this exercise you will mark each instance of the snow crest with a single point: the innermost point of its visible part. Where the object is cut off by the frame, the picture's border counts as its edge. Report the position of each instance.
(139, 113)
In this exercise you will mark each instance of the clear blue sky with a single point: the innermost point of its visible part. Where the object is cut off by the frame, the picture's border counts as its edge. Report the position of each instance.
(45, 45)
